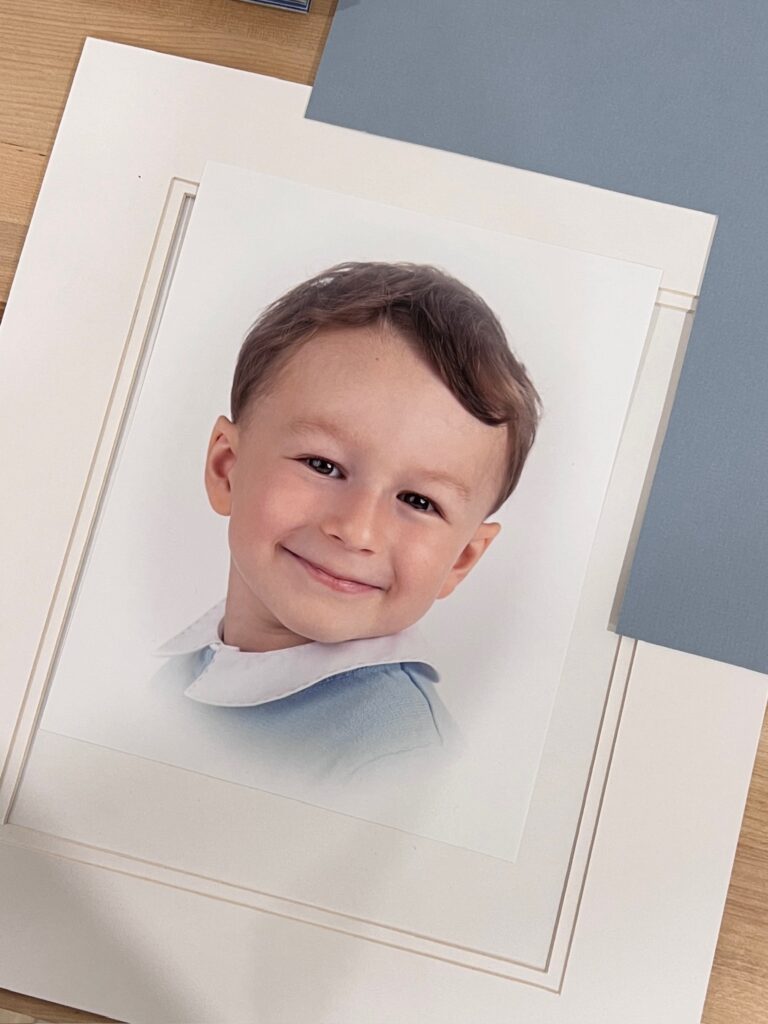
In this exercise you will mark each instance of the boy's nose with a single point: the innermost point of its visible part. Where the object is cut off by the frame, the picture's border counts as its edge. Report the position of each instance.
(357, 520)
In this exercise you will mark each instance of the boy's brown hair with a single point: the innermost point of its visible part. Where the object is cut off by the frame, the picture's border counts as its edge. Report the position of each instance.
(444, 321)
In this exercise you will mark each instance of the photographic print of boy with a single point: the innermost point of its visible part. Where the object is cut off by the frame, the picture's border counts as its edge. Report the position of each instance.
(378, 418)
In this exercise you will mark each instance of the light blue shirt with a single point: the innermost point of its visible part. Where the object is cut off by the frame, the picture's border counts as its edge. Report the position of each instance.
(317, 711)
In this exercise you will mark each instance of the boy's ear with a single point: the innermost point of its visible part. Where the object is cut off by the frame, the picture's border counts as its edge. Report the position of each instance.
(469, 556)
(222, 453)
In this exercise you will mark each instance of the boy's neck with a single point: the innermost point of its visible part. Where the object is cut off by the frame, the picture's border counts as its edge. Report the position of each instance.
(249, 626)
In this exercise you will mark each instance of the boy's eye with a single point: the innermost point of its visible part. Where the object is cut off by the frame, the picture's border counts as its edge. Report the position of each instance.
(421, 504)
(321, 465)
(417, 501)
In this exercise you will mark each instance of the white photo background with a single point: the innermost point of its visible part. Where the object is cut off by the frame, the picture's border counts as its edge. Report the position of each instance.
(159, 558)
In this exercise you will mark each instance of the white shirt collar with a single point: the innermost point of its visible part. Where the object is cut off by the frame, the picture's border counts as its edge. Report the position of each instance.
(235, 678)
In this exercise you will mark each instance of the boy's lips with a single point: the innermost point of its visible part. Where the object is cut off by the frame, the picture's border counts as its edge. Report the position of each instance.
(344, 583)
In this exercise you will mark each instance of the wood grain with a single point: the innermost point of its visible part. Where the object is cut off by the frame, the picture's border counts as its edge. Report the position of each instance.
(19, 1009)
(21, 172)
(39, 48)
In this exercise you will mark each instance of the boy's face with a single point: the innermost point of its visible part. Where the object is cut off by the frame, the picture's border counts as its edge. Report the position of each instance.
(339, 528)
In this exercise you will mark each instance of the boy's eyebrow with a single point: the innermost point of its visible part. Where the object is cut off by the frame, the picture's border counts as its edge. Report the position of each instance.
(302, 426)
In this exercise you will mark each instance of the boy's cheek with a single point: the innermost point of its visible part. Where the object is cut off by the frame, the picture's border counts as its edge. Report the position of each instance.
(424, 570)
(277, 496)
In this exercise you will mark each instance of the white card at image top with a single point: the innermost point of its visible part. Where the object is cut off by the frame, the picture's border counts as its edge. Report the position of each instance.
(577, 321)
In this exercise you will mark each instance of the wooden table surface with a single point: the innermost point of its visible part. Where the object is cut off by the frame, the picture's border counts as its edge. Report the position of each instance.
(39, 47)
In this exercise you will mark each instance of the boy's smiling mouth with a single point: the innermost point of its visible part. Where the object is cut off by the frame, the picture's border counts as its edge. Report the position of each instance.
(339, 583)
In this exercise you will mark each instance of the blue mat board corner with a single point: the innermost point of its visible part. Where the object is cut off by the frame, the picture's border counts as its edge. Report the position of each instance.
(666, 100)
